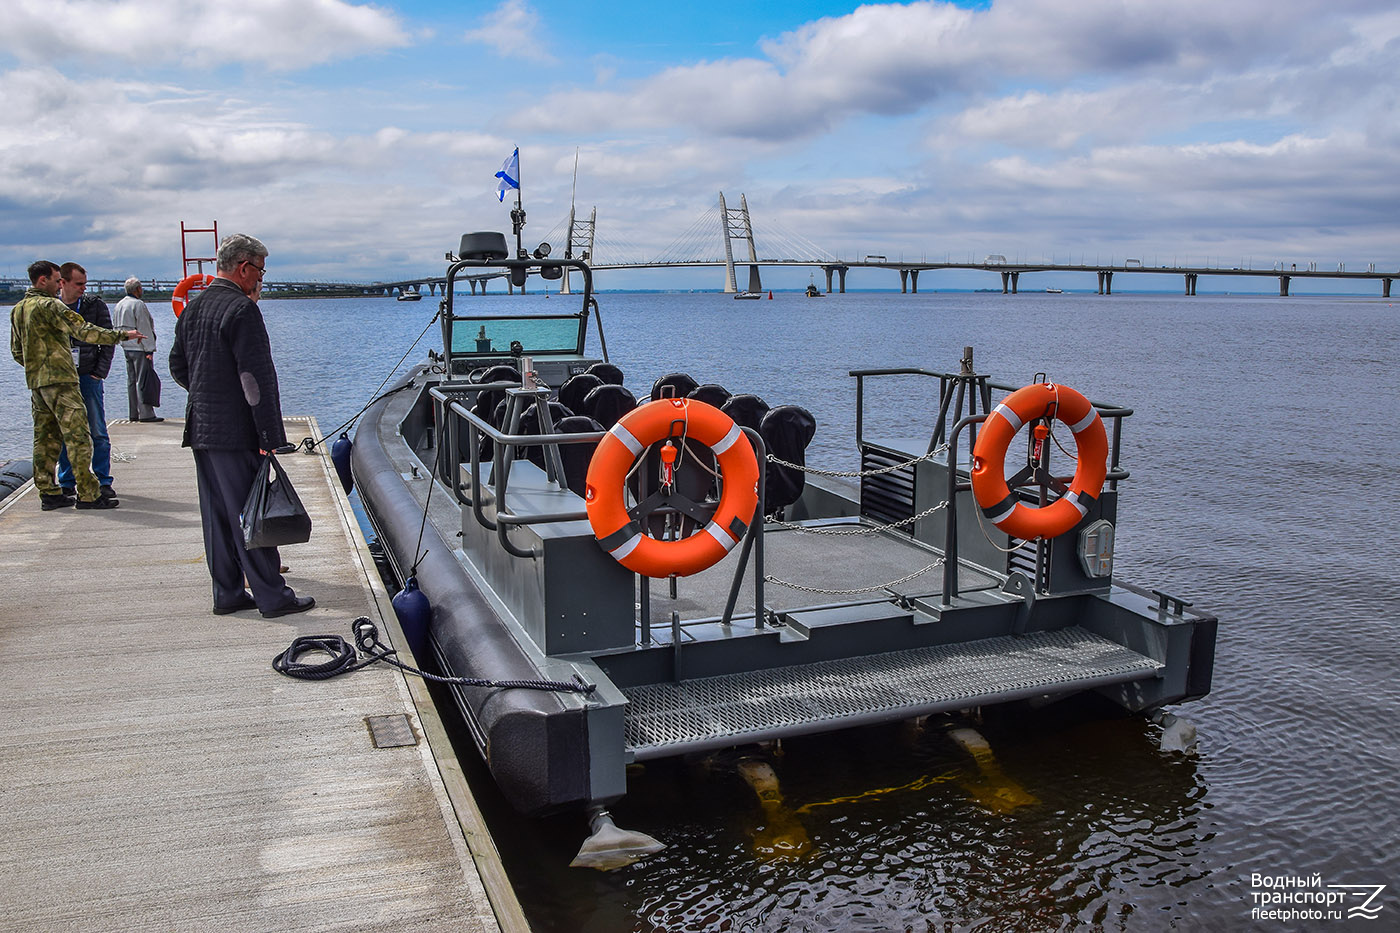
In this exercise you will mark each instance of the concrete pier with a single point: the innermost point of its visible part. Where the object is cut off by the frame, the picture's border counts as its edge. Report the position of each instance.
(159, 775)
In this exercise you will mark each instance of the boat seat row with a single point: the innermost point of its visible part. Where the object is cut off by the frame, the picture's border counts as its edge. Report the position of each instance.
(596, 400)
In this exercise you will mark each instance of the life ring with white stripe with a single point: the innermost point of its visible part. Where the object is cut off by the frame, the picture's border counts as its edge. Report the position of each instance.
(187, 284)
(1001, 506)
(621, 531)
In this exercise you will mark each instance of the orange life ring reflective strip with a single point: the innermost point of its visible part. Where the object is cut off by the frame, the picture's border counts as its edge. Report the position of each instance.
(622, 536)
(989, 487)
(196, 281)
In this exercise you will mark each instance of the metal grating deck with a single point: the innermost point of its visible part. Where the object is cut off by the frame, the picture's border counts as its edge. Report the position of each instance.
(714, 712)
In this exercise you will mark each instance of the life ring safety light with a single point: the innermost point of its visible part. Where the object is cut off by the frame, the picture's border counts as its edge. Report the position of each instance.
(621, 533)
(187, 284)
(989, 487)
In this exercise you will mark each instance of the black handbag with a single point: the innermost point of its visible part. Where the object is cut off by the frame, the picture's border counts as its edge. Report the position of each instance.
(148, 385)
(273, 515)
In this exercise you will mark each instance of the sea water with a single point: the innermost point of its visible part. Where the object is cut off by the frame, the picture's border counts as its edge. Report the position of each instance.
(1258, 449)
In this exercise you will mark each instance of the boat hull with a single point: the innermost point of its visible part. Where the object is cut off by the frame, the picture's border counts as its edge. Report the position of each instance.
(535, 743)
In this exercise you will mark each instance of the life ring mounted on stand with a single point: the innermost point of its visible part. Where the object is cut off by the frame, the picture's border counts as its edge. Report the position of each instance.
(989, 487)
(200, 280)
(622, 531)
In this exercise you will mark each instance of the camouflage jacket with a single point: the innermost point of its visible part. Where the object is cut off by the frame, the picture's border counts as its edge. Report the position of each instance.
(40, 330)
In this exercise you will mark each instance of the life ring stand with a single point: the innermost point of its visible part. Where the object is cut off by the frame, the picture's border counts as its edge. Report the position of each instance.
(621, 531)
(989, 487)
(197, 281)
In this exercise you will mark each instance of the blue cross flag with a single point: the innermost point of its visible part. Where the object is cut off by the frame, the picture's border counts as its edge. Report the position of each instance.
(509, 174)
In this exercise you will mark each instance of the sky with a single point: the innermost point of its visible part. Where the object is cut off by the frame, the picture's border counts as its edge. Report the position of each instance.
(359, 141)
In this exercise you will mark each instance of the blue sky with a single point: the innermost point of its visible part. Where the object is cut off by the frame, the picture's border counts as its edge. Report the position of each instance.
(359, 141)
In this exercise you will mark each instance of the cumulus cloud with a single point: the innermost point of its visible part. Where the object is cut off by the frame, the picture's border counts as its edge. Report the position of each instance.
(277, 34)
(512, 29)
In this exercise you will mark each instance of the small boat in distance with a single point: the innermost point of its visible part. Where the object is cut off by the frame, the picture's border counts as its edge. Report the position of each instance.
(1054, 291)
(410, 294)
(748, 296)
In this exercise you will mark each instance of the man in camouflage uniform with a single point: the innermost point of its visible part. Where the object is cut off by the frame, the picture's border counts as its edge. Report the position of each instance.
(40, 329)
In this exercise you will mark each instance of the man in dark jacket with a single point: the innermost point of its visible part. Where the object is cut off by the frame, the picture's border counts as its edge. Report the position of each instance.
(94, 361)
(221, 355)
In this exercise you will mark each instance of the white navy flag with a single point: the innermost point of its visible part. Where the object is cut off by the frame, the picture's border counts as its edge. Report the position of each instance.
(509, 174)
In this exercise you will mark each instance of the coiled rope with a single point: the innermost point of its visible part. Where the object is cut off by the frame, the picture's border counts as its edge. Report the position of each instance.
(343, 660)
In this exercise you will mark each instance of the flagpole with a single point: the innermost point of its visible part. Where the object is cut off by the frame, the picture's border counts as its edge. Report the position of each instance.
(517, 216)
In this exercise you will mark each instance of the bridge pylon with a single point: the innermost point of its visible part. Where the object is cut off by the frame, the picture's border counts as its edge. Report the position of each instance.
(579, 244)
(736, 223)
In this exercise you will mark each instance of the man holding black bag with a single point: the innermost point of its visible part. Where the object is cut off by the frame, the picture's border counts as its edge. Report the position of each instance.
(233, 419)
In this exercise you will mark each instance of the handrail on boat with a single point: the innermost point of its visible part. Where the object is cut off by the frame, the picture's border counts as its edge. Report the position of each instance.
(503, 447)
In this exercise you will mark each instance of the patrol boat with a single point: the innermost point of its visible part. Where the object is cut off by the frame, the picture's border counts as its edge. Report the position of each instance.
(616, 582)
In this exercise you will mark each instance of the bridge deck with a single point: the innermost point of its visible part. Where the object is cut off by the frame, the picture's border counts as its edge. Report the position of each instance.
(159, 775)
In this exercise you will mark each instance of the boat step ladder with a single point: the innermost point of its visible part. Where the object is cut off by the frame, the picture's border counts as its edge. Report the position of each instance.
(716, 712)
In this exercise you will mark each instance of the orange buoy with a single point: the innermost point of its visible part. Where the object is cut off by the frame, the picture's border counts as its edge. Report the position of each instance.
(190, 282)
(621, 533)
(989, 487)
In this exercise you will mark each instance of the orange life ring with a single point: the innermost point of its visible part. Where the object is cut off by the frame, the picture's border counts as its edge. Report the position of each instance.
(622, 535)
(196, 281)
(989, 487)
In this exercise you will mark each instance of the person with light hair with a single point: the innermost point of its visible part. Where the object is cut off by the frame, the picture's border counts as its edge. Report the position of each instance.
(142, 386)
(222, 356)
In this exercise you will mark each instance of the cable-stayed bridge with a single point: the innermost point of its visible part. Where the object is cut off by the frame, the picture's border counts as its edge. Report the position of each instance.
(726, 237)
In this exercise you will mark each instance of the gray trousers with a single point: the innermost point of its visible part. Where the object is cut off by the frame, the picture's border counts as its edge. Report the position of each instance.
(224, 478)
(136, 364)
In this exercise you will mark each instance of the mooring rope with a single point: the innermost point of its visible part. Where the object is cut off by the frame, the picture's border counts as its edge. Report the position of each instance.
(343, 660)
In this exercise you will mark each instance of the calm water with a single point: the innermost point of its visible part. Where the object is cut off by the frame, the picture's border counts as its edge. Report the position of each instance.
(1261, 434)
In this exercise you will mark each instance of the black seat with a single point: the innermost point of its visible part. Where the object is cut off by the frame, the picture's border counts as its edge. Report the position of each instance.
(786, 431)
(680, 385)
(746, 410)
(530, 424)
(607, 404)
(490, 402)
(710, 394)
(606, 372)
(576, 457)
(576, 388)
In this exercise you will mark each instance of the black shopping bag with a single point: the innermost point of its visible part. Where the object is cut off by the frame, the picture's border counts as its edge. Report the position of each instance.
(273, 515)
(148, 385)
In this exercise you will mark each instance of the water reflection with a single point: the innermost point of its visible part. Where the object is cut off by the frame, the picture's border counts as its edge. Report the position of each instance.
(1062, 814)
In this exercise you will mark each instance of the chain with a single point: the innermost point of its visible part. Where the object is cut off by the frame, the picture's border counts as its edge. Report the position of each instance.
(889, 469)
(856, 531)
(864, 589)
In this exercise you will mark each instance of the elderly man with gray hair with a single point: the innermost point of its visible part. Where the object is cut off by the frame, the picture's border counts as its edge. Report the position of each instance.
(222, 356)
(131, 313)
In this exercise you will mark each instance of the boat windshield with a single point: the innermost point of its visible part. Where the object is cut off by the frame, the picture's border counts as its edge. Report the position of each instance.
(492, 336)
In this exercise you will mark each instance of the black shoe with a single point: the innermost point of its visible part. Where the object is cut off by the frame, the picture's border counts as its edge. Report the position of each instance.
(49, 502)
(69, 491)
(107, 492)
(101, 502)
(149, 420)
(298, 604)
(244, 601)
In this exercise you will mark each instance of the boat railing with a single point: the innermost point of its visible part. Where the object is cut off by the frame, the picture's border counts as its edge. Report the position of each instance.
(457, 416)
(961, 395)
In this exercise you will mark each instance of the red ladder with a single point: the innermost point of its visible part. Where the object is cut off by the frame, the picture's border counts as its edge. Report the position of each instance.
(197, 261)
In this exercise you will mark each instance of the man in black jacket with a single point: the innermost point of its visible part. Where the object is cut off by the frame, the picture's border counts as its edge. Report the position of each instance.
(221, 355)
(93, 361)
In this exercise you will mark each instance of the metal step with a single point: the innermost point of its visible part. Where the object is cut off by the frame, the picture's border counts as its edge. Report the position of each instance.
(716, 712)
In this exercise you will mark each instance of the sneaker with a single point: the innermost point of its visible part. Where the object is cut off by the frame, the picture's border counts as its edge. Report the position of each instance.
(101, 502)
(49, 502)
(107, 492)
(298, 604)
(149, 420)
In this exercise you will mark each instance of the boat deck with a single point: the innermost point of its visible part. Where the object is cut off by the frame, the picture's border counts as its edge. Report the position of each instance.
(159, 775)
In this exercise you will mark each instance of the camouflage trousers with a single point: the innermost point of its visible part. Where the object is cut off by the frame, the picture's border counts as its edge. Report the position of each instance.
(60, 418)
